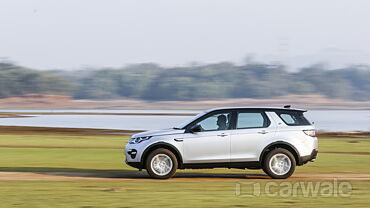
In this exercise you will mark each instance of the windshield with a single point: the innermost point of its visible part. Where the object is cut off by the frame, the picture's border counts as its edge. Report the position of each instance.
(183, 125)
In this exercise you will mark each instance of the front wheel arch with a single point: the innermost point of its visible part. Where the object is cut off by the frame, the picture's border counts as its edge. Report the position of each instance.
(161, 164)
(164, 145)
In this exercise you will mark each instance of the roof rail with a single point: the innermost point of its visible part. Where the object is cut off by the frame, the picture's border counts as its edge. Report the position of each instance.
(287, 106)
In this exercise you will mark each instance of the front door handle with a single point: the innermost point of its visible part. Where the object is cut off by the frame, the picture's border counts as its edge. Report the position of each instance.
(222, 135)
(263, 132)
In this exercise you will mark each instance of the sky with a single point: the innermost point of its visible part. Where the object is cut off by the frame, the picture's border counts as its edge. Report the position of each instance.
(72, 34)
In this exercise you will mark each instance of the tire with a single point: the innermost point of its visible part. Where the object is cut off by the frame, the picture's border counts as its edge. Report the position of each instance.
(279, 163)
(161, 164)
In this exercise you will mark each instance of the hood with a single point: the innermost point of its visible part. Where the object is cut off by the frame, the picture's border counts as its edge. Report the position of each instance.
(159, 132)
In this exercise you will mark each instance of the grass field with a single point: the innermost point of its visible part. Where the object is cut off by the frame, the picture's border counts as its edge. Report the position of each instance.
(103, 154)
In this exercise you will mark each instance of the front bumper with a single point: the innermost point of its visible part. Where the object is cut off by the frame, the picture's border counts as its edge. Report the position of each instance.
(137, 165)
(312, 157)
(133, 152)
(131, 159)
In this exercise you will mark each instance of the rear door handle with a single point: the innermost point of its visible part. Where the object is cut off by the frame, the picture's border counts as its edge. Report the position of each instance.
(178, 140)
(263, 132)
(222, 135)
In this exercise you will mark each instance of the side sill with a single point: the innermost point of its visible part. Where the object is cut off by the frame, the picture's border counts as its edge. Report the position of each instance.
(240, 165)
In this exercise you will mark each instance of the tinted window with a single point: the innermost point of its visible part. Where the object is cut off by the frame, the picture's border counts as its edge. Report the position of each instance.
(251, 120)
(219, 121)
(293, 118)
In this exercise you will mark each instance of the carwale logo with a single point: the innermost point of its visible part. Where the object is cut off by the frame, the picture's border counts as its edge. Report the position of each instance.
(332, 188)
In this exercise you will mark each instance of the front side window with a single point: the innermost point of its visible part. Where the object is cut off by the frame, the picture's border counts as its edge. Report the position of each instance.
(248, 120)
(216, 122)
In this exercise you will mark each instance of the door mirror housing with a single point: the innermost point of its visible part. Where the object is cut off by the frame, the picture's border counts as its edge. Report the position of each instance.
(195, 128)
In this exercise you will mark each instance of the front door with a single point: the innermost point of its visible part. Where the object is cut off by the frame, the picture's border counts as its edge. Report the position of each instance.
(212, 143)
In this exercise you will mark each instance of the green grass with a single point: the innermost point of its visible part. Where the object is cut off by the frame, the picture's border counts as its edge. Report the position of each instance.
(58, 140)
(344, 144)
(84, 153)
(159, 194)
(73, 153)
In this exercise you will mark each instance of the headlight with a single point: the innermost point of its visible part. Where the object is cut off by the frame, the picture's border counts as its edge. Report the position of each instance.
(310, 132)
(137, 140)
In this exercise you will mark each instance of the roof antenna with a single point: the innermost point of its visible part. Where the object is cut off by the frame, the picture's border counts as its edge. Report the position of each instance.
(287, 106)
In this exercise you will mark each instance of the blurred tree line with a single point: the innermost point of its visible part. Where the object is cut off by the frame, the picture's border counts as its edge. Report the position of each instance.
(16, 80)
(221, 80)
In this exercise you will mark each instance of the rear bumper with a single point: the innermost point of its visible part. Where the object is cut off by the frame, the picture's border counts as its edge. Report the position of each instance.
(308, 158)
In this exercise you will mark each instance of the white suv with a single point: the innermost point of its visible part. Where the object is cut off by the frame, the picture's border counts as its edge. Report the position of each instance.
(272, 139)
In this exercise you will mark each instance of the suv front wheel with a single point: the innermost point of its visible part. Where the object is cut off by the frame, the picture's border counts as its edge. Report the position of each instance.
(161, 163)
(279, 163)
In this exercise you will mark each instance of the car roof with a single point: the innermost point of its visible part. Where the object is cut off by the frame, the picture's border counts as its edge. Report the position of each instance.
(258, 108)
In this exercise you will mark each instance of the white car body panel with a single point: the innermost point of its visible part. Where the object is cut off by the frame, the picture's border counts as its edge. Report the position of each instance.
(206, 147)
(247, 144)
(224, 146)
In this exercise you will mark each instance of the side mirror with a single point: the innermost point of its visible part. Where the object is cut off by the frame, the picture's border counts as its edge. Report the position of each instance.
(195, 128)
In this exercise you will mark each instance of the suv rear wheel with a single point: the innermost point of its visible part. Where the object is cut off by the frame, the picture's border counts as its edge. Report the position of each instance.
(161, 163)
(279, 163)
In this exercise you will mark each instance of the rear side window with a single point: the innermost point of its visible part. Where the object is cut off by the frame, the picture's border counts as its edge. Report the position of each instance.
(252, 120)
(293, 118)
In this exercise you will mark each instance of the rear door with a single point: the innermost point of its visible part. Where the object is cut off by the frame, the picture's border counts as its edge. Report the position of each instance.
(252, 130)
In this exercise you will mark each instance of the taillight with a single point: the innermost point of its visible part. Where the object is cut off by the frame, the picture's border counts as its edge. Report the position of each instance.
(310, 132)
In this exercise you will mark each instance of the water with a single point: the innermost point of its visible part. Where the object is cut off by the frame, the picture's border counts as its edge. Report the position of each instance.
(97, 121)
(340, 120)
(102, 111)
(329, 120)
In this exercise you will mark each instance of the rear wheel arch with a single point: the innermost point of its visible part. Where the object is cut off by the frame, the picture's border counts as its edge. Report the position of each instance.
(164, 145)
(279, 163)
(280, 144)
